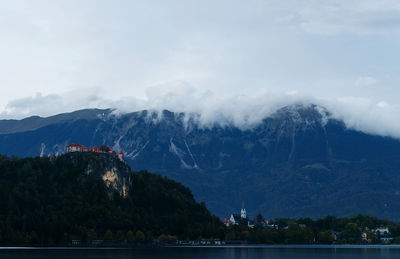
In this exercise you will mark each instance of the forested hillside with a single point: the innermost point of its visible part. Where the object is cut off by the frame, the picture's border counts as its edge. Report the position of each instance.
(58, 199)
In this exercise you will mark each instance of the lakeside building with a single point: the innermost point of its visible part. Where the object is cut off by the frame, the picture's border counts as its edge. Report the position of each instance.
(381, 231)
(236, 219)
(383, 234)
(269, 224)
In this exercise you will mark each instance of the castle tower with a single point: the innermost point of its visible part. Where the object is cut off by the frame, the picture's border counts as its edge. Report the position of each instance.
(121, 156)
(243, 212)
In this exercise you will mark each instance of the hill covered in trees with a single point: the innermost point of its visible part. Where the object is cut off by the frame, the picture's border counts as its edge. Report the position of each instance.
(54, 200)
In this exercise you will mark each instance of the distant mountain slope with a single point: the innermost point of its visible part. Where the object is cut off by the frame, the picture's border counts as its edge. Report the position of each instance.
(297, 162)
(36, 122)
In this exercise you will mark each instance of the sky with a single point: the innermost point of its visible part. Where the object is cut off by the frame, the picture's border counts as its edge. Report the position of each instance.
(238, 59)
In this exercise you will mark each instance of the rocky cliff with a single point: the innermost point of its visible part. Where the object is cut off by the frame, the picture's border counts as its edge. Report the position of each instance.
(115, 173)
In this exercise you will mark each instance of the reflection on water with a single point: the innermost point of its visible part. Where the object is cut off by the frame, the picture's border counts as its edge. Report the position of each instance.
(270, 252)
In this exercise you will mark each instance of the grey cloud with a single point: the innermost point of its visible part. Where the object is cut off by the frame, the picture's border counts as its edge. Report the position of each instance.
(366, 81)
(359, 17)
(46, 105)
(131, 54)
(243, 111)
(28, 106)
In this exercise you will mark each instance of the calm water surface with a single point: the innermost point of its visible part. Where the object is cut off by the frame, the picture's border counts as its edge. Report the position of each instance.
(272, 252)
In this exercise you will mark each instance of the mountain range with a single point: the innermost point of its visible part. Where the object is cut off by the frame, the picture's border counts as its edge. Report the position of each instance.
(297, 162)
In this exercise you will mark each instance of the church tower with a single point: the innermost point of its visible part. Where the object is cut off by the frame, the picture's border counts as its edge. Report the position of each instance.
(243, 212)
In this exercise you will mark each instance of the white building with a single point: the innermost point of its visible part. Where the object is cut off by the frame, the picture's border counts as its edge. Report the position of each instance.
(76, 148)
(382, 231)
(235, 219)
(243, 212)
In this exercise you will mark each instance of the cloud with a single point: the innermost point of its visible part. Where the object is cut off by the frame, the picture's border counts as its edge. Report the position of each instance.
(51, 104)
(379, 118)
(239, 110)
(382, 104)
(209, 108)
(245, 59)
(350, 16)
(37, 104)
(366, 81)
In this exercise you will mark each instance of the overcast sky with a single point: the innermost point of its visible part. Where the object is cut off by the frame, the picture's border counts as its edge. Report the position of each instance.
(226, 56)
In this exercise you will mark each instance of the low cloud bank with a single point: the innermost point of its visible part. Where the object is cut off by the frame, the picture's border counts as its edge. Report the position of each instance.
(243, 111)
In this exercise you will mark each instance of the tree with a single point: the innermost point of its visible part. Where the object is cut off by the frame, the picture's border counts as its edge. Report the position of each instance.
(221, 233)
(259, 218)
(92, 234)
(230, 235)
(351, 233)
(130, 236)
(120, 236)
(108, 236)
(325, 237)
(104, 148)
(371, 236)
(139, 236)
(396, 240)
(297, 235)
(163, 238)
(34, 239)
(54, 200)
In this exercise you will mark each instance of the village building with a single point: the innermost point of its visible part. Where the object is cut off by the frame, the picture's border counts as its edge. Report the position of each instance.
(335, 235)
(225, 221)
(121, 156)
(95, 149)
(243, 212)
(364, 237)
(382, 231)
(383, 234)
(76, 148)
(236, 219)
(269, 224)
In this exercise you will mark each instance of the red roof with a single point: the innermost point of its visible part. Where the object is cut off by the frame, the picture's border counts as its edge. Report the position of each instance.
(95, 149)
(76, 145)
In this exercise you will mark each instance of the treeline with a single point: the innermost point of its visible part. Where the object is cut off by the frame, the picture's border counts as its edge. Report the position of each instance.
(328, 230)
(51, 201)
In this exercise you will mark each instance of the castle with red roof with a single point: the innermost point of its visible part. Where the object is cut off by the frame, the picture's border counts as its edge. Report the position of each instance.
(103, 149)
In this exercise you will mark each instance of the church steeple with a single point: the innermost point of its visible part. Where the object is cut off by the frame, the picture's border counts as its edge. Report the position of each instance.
(243, 211)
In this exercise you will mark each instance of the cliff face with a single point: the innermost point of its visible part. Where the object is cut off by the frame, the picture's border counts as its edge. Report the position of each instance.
(297, 162)
(115, 173)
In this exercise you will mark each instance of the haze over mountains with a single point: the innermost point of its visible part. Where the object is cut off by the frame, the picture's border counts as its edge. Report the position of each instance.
(299, 161)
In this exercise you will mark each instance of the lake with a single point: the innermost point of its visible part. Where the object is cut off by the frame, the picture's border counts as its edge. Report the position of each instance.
(221, 252)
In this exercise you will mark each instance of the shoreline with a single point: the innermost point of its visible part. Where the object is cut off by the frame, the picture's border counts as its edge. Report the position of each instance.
(283, 246)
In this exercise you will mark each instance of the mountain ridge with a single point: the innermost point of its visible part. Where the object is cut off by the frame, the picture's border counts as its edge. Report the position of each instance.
(295, 162)
(35, 122)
